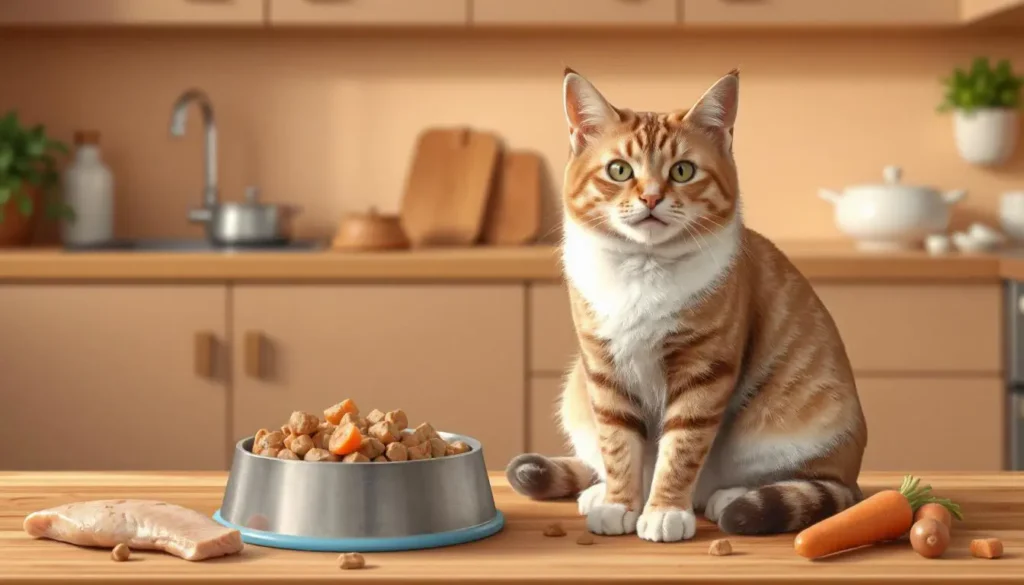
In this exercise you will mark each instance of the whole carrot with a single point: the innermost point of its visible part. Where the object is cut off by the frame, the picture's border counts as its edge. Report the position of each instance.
(886, 515)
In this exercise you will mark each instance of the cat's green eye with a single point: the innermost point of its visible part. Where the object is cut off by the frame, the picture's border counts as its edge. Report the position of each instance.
(619, 170)
(683, 171)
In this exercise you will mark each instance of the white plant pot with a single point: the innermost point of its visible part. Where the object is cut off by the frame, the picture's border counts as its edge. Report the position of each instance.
(986, 136)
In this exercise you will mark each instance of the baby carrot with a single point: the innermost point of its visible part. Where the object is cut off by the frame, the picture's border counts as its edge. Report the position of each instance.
(333, 414)
(886, 515)
(345, 440)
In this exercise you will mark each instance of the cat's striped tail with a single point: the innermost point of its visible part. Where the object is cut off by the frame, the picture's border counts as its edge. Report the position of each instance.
(545, 478)
(785, 506)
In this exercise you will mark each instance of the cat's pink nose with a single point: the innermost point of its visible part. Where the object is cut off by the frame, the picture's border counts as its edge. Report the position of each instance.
(651, 200)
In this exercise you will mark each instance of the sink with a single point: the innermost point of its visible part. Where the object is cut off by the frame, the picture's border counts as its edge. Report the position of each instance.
(194, 245)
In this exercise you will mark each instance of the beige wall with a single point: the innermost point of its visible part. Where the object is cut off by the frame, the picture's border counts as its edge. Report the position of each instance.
(328, 119)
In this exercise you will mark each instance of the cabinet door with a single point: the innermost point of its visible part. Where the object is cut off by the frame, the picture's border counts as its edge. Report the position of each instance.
(819, 13)
(119, 377)
(368, 12)
(934, 424)
(575, 12)
(448, 355)
(112, 12)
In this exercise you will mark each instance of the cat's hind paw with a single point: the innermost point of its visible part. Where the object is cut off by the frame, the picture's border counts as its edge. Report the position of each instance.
(590, 497)
(720, 500)
(611, 519)
(666, 525)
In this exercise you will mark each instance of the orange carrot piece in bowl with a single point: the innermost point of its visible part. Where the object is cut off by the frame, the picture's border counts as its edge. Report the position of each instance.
(345, 440)
(333, 414)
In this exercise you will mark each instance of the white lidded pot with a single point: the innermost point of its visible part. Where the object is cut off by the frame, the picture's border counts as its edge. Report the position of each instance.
(893, 215)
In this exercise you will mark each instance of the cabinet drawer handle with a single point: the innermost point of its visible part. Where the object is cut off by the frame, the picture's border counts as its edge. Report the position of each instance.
(254, 354)
(204, 346)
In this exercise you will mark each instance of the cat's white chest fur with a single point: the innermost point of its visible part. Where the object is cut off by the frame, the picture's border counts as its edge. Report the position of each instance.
(636, 296)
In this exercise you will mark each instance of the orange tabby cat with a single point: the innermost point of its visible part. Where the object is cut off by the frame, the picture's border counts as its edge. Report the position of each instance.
(710, 375)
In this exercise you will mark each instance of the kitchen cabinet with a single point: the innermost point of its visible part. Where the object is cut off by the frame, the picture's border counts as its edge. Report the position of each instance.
(367, 12)
(131, 12)
(910, 327)
(575, 12)
(933, 423)
(769, 13)
(113, 377)
(451, 355)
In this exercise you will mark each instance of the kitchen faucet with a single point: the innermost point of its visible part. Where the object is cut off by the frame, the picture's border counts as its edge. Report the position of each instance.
(179, 117)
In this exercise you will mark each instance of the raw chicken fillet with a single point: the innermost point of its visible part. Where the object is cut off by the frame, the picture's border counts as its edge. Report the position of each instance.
(140, 524)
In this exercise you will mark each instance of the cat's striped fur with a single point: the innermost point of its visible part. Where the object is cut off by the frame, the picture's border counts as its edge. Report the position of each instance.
(710, 375)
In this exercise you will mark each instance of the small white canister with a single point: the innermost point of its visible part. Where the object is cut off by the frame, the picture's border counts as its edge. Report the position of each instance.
(89, 191)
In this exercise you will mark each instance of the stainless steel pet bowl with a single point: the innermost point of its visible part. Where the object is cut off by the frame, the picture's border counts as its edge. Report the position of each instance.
(360, 507)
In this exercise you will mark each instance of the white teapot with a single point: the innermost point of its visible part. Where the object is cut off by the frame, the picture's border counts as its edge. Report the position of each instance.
(891, 216)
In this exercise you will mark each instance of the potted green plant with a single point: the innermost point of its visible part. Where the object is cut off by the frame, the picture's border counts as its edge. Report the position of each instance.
(29, 180)
(985, 102)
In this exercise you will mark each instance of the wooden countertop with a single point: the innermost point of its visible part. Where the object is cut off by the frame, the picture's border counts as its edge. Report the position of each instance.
(819, 261)
(993, 505)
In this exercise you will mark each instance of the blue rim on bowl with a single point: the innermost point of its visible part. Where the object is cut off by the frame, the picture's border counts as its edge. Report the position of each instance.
(391, 544)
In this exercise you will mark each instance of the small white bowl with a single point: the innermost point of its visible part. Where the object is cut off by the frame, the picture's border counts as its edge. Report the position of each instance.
(938, 244)
(969, 245)
(985, 235)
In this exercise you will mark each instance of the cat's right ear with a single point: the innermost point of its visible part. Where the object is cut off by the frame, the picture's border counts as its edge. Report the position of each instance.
(586, 110)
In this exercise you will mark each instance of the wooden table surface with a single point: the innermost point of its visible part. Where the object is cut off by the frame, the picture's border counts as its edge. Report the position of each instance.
(993, 506)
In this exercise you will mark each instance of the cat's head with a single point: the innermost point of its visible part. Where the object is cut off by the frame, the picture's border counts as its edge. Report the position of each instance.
(650, 178)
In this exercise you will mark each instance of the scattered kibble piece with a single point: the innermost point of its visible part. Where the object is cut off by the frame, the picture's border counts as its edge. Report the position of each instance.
(986, 548)
(720, 547)
(554, 530)
(121, 553)
(288, 454)
(585, 539)
(351, 561)
(303, 423)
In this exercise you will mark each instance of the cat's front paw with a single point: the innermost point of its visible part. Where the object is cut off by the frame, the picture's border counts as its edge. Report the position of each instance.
(590, 497)
(666, 525)
(611, 519)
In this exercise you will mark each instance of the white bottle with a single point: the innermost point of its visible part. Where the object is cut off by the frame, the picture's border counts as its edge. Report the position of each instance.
(89, 191)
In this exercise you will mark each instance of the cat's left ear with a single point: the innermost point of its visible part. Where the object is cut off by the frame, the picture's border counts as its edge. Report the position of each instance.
(715, 111)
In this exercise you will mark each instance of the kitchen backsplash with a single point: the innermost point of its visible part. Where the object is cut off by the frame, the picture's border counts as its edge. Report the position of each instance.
(327, 120)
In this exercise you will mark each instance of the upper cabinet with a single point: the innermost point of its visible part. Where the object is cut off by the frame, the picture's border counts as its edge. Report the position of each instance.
(125, 12)
(806, 13)
(368, 12)
(575, 12)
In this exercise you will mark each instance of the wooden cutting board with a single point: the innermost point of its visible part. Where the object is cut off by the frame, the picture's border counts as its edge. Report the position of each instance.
(513, 214)
(448, 185)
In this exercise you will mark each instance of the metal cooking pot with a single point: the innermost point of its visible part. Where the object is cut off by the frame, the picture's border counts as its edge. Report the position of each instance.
(247, 224)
